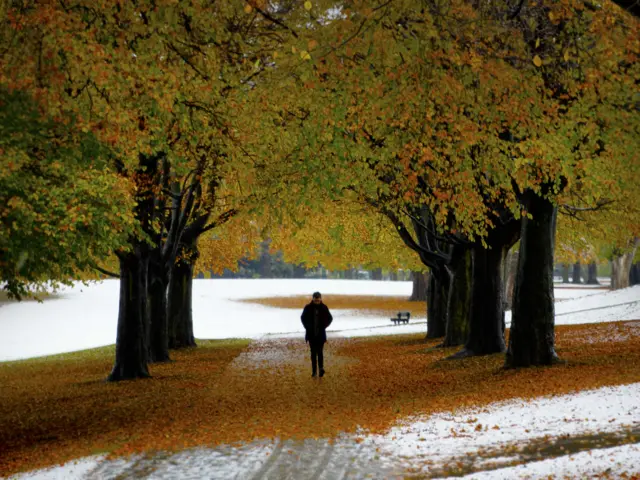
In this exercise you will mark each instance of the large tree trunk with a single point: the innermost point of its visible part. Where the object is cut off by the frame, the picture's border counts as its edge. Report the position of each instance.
(531, 339)
(459, 304)
(420, 282)
(157, 288)
(621, 267)
(437, 303)
(577, 270)
(131, 346)
(180, 312)
(592, 277)
(487, 307)
(565, 273)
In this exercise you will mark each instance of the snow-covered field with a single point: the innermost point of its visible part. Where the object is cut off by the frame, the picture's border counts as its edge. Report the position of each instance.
(85, 316)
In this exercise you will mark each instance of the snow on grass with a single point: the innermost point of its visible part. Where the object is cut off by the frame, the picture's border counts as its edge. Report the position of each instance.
(447, 437)
(76, 469)
(82, 317)
(597, 306)
(615, 462)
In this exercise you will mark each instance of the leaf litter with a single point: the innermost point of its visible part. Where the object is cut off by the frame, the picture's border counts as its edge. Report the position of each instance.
(225, 393)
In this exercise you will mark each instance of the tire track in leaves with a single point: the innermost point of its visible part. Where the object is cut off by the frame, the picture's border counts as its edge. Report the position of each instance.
(324, 461)
(270, 464)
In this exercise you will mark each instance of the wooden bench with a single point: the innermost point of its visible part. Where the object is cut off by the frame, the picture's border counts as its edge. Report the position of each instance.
(401, 317)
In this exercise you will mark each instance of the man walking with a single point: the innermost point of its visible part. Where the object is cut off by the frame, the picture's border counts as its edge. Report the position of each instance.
(316, 318)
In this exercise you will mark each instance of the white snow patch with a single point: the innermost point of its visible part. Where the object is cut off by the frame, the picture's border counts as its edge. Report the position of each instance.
(452, 435)
(74, 469)
(82, 317)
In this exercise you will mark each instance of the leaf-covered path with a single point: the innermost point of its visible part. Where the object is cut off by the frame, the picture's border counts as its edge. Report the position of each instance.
(228, 410)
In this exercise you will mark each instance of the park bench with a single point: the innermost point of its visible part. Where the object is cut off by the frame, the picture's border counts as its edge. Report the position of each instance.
(401, 317)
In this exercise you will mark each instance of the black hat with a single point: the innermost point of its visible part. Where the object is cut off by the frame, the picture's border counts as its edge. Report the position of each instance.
(317, 295)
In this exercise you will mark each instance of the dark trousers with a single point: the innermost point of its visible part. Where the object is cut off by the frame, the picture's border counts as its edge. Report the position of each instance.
(317, 356)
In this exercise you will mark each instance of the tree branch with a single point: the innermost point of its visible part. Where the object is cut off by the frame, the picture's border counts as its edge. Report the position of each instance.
(104, 271)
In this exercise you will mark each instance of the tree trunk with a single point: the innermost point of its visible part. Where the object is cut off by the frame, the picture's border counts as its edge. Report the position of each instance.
(459, 305)
(510, 271)
(487, 307)
(159, 328)
(420, 282)
(180, 312)
(131, 345)
(299, 271)
(532, 336)
(376, 274)
(634, 274)
(593, 274)
(576, 273)
(437, 302)
(621, 267)
(565, 273)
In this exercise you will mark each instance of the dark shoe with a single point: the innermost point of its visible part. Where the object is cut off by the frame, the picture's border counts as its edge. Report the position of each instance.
(322, 373)
(314, 374)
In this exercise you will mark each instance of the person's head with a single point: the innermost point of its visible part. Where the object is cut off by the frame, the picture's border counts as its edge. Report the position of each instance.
(316, 297)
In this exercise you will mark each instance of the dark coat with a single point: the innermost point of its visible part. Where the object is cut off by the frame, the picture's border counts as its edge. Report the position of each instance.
(324, 320)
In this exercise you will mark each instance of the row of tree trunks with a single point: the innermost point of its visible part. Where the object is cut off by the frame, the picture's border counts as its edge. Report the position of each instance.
(592, 273)
(532, 337)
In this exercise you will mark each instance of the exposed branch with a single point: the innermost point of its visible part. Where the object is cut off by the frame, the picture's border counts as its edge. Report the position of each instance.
(222, 219)
(104, 271)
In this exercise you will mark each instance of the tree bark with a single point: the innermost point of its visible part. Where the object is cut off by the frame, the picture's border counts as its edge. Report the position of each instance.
(565, 273)
(577, 270)
(459, 304)
(634, 274)
(592, 278)
(157, 289)
(180, 311)
(621, 267)
(532, 335)
(420, 282)
(510, 272)
(487, 304)
(131, 346)
(437, 303)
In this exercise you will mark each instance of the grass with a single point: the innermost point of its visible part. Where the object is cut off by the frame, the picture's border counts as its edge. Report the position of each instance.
(58, 408)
